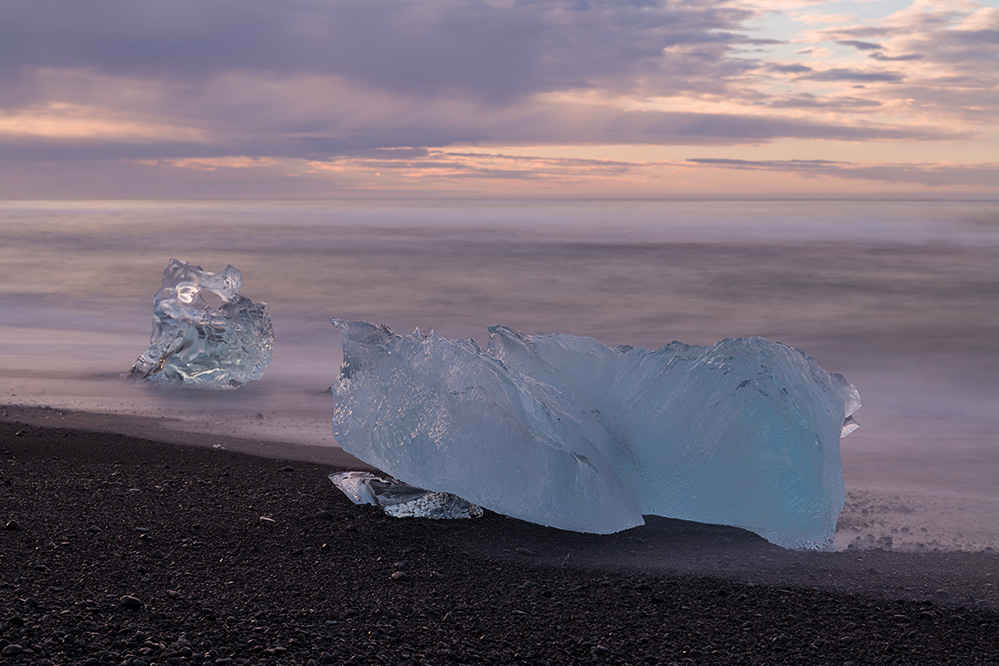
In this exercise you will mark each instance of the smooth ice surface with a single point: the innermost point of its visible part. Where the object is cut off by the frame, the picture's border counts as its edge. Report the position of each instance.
(401, 500)
(195, 344)
(567, 432)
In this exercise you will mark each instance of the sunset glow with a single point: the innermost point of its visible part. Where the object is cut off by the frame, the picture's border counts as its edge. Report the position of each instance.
(602, 98)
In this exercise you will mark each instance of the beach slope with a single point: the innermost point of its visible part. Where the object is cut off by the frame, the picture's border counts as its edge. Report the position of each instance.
(118, 550)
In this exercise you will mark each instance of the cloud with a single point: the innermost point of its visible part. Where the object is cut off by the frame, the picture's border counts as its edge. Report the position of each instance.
(323, 133)
(457, 166)
(942, 55)
(859, 45)
(794, 68)
(767, 165)
(62, 122)
(229, 87)
(214, 163)
(312, 78)
(900, 58)
(447, 166)
(810, 101)
(928, 174)
(845, 74)
(876, 51)
(782, 5)
(415, 47)
(815, 52)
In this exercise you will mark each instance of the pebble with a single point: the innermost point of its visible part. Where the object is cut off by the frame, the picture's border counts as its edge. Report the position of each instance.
(520, 550)
(130, 602)
(12, 650)
(85, 624)
(599, 651)
(12, 526)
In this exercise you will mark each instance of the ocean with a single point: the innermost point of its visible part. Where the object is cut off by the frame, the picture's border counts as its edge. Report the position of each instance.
(902, 297)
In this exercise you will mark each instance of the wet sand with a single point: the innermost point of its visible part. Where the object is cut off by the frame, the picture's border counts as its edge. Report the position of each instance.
(118, 549)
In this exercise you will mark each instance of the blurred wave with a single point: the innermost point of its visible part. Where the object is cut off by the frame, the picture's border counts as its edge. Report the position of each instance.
(901, 297)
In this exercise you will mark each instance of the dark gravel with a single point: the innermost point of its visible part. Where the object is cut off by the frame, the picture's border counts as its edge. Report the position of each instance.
(121, 551)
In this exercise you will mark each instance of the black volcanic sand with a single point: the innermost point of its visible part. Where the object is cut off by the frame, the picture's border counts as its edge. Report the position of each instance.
(115, 550)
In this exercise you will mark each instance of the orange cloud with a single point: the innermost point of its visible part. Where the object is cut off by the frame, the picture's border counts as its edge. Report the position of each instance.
(216, 163)
(72, 121)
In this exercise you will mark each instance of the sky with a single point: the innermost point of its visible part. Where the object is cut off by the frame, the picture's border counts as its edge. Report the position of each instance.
(546, 98)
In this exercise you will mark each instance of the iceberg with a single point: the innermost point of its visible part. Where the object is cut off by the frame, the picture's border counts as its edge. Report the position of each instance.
(195, 344)
(401, 500)
(567, 432)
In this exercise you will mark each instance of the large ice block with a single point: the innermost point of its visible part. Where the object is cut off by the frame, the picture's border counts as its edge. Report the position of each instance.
(195, 344)
(567, 432)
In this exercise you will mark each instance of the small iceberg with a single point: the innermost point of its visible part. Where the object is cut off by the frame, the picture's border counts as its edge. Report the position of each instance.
(564, 431)
(195, 344)
(400, 500)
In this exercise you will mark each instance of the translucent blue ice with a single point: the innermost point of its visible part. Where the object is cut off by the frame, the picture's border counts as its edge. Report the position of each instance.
(567, 432)
(195, 344)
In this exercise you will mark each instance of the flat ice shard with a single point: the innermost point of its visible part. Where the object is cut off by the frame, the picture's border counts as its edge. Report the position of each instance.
(195, 344)
(401, 500)
(567, 432)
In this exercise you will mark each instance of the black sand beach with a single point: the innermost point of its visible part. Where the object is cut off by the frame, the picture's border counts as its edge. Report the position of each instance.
(120, 550)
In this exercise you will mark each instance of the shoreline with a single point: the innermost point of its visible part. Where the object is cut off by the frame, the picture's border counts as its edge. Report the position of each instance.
(248, 559)
(172, 430)
(877, 516)
(608, 551)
